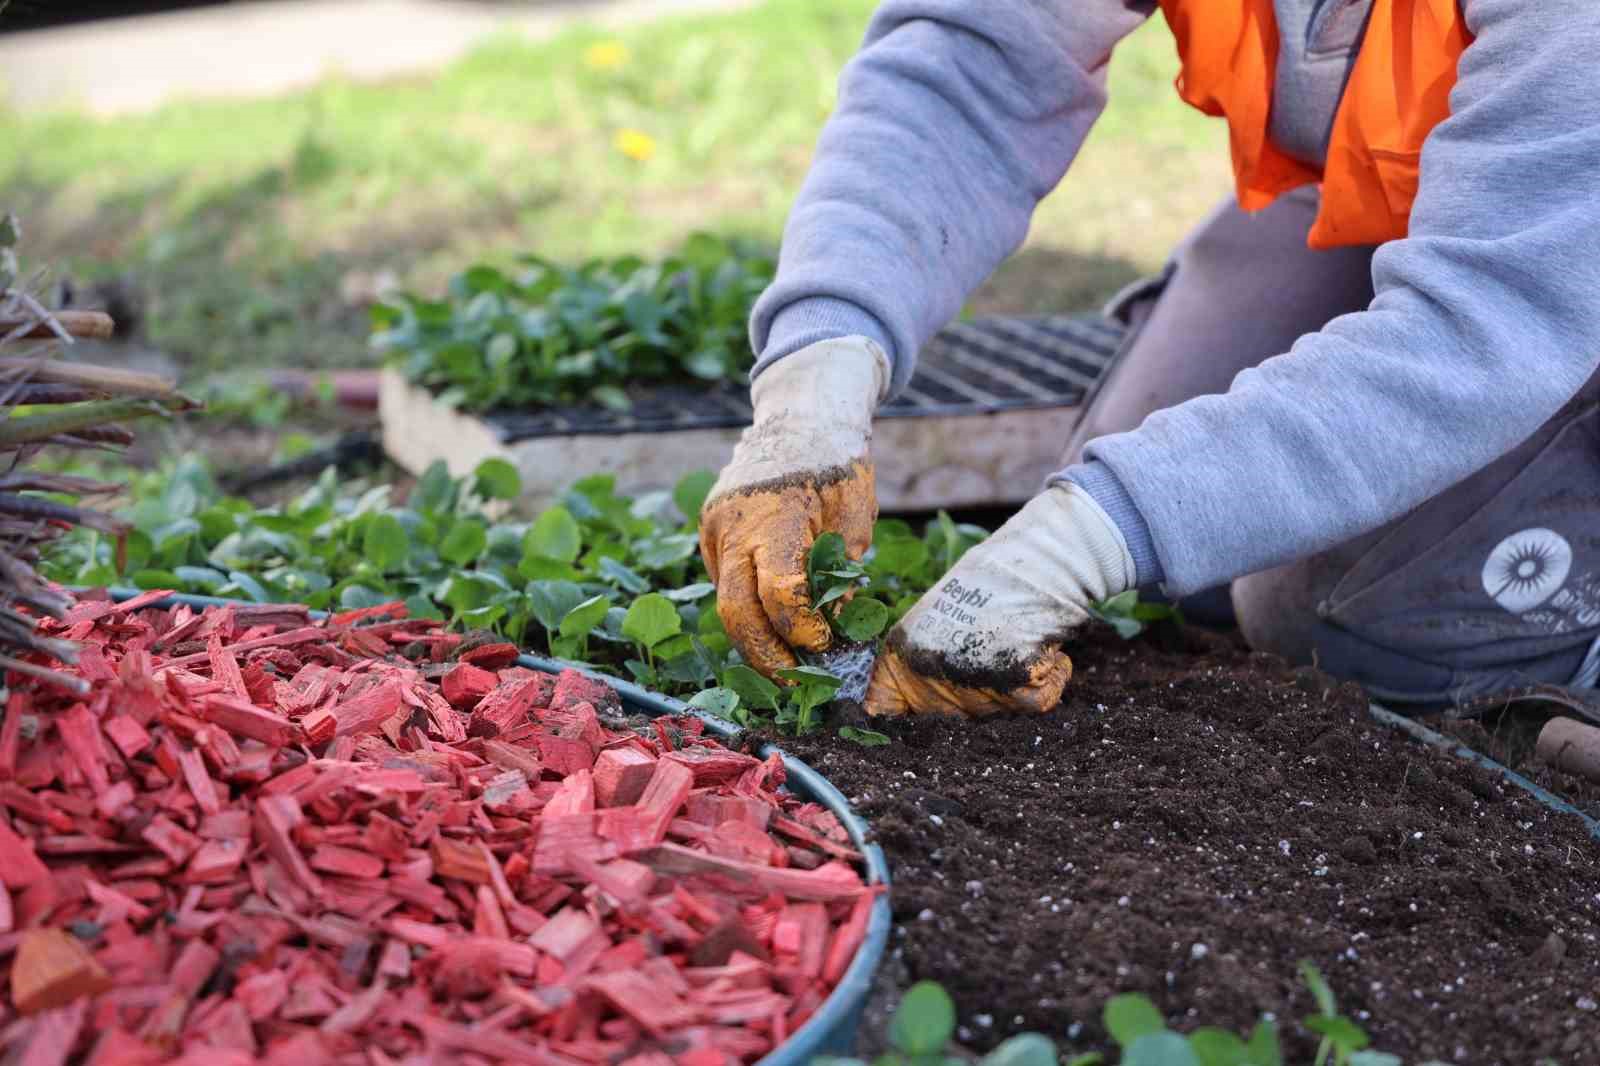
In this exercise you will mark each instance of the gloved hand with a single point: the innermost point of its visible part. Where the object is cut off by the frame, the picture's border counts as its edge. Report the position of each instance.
(800, 470)
(989, 637)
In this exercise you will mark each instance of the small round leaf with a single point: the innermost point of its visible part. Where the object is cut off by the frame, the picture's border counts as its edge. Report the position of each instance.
(385, 544)
(497, 479)
(925, 1021)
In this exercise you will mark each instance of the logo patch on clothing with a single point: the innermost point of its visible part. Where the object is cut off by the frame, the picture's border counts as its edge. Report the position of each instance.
(1527, 568)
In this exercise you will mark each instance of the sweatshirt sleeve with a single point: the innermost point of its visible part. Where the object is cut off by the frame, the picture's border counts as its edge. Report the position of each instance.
(1486, 320)
(955, 119)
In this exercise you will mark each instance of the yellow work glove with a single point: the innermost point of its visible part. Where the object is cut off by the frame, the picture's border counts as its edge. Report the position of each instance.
(989, 637)
(802, 469)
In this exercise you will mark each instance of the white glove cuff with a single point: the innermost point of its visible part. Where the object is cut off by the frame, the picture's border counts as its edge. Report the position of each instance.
(813, 414)
(831, 382)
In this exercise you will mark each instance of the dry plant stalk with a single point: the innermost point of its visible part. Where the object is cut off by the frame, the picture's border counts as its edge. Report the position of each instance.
(47, 403)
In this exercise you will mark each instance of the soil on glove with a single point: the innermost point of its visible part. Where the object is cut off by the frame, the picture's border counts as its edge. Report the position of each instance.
(1193, 822)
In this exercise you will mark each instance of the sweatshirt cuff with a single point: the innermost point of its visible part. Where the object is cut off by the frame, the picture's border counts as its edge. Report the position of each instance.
(818, 318)
(1098, 481)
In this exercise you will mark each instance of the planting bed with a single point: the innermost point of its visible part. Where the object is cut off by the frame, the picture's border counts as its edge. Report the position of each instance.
(254, 837)
(1510, 739)
(1193, 822)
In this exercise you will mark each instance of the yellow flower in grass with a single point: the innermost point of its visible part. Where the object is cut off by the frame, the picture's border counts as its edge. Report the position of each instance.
(606, 55)
(636, 145)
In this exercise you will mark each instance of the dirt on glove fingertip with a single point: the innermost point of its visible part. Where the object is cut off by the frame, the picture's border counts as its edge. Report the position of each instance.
(1191, 823)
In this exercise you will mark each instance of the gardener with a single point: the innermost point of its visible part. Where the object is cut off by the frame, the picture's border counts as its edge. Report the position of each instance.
(1363, 393)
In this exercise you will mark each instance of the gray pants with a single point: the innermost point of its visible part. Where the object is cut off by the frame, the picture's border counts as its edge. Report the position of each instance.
(1494, 584)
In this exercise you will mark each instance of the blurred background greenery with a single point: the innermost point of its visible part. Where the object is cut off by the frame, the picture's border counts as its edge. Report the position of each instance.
(255, 232)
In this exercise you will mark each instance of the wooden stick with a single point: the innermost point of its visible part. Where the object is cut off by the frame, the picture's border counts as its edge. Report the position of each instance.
(1572, 746)
(92, 325)
(108, 381)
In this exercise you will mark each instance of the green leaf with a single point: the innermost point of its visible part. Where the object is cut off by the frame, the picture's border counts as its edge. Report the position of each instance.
(1218, 1047)
(1122, 603)
(483, 617)
(837, 592)
(139, 548)
(865, 737)
(157, 579)
(679, 644)
(925, 1020)
(1346, 1034)
(435, 492)
(812, 681)
(666, 550)
(386, 545)
(710, 621)
(1160, 1049)
(696, 666)
(690, 495)
(1129, 1016)
(497, 479)
(651, 619)
(1373, 1058)
(618, 574)
(247, 585)
(1319, 988)
(355, 597)
(863, 618)
(1120, 612)
(827, 554)
(690, 593)
(465, 542)
(1024, 1049)
(174, 536)
(721, 702)
(1264, 1047)
(582, 619)
(1088, 1058)
(555, 534)
(552, 601)
(538, 568)
(900, 557)
(203, 578)
(752, 689)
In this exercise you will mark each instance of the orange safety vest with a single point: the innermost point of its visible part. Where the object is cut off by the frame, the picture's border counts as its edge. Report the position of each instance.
(1399, 90)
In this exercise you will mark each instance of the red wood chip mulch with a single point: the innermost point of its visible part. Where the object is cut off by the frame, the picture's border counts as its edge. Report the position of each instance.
(266, 839)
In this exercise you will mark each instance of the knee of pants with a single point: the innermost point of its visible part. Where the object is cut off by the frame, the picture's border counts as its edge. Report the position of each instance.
(1278, 612)
(1275, 616)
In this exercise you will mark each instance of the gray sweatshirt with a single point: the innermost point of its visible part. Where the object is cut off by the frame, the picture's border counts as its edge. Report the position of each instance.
(958, 116)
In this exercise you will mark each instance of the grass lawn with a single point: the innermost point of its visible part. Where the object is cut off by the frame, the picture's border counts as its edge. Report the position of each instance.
(251, 230)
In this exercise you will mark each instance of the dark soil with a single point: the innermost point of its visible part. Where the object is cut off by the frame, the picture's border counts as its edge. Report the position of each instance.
(1192, 823)
(1510, 739)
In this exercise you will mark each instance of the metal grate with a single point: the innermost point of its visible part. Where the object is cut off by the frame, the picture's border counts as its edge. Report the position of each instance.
(978, 367)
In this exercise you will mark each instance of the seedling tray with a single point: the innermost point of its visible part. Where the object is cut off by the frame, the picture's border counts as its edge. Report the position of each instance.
(832, 1029)
(983, 421)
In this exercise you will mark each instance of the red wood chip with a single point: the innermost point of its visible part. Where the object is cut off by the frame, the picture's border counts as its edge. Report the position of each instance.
(464, 685)
(294, 847)
(491, 656)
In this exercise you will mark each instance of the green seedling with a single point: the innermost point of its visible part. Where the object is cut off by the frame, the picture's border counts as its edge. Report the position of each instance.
(563, 582)
(757, 701)
(1343, 1040)
(925, 1023)
(1129, 617)
(547, 334)
(811, 689)
(649, 623)
(837, 583)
